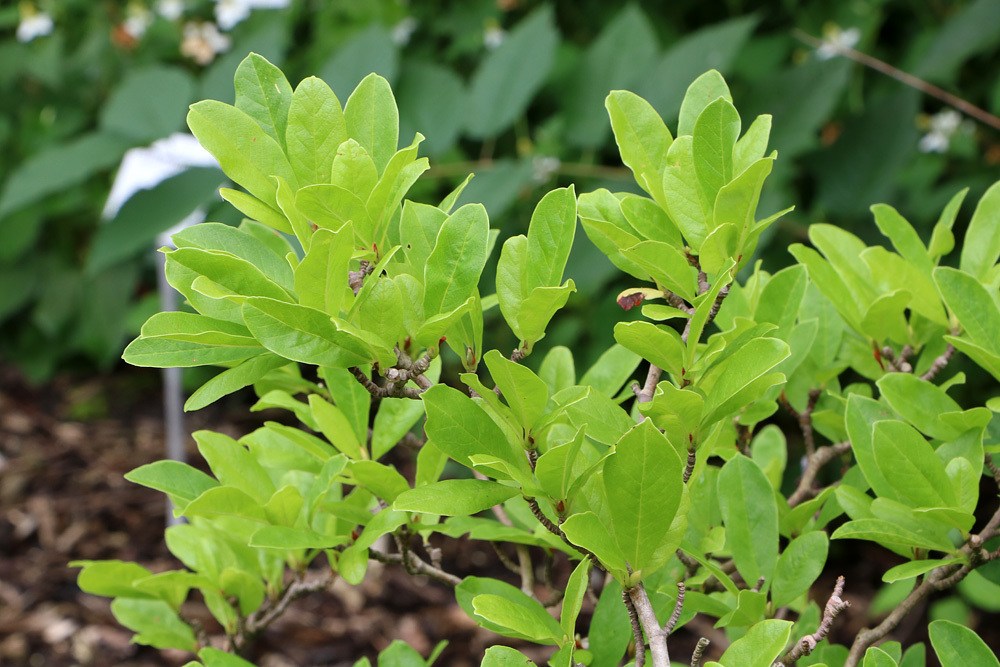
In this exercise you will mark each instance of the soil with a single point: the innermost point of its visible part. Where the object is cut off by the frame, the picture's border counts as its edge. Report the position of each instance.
(64, 448)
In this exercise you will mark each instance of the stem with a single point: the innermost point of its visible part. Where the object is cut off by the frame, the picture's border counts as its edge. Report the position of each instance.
(654, 633)
(820, 458)
(906, 78)
(699, 651)
(939, 363)
(640, 641)
(807, 644)
(415, 565)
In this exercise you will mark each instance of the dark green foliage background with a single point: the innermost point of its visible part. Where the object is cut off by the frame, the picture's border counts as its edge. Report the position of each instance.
(72, 289)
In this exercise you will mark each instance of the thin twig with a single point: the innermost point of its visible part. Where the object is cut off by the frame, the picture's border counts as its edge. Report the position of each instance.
(807, 644)
(939, 363)
(415, 565)
(654, 633)
(939, 579)
(263, 617)
(391, 390)
(699, 651)
(804, 418)
(965, 107)
(815, 463)
(678, 608)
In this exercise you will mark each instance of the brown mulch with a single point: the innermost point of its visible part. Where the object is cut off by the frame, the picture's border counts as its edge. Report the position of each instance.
(64, 449)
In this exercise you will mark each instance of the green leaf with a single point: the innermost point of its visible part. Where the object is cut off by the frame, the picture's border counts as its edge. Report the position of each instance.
(373, 120)
(504, 656)
(876, 657)
(714, 137)
(859, 418)
(148, 104)
(973, 305)
(558, 370)
(155, 623)
(232, 380)
(255, 209)
(781, 297)
(302, 334)
(394, 419)
(910, 466)
(233, 465)
(233, 274)
(642, 137)
(400, 654)
(178, 480)
(454, 265)
(741, 377)
(751, 518)
(611, 370)
(335, 427)
(981, 247)
(660, 346)
(316, 127)
(213, 657)
(737, 200)
(666, 265)
(525, 392)
(942, 239)
(550, 238)
(264, 94)
(576, 588)
(321, 276)
(643, 482)
(247, 154)
(111, 578)
(799, 565)
(454, 497)
(685, 200)
(287, 538)
(915, 568)
(761, 645)
(957, 646)
(226, 501)
(508, 77)
(381, 524)
(159, 352)
(703, 91)
(382, 480)
(888, 534)
(586, 530)
(920, 403)
(752, 146)
(331, 207)
(904, 237)
(369, 49)
(524, 615)
(703, 307)
(460, 428)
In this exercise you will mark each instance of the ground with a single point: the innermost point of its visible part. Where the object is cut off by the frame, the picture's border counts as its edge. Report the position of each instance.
(63, 450)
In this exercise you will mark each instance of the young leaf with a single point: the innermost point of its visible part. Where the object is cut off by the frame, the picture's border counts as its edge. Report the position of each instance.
(660, 346)
(154, 623)
(686, 202)
(264, 94)
(233, 379)
(753, 144)
(904, 237)
(525, 392)
(576, 588)
(373, 120)
(611, 370)
(981, 246)
(321, 276)
(714, 137)
(335, 427)
(550, 238)
(504, 656)
(454, 497)
(558, 370)
(751, 518)
(247, 154)
(180, 481)
(454, 265)
(316, 127)
(642, 137)
(704, 90)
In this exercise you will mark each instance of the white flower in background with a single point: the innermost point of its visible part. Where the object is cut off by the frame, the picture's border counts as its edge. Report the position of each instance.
(144, 168)
(402, 31)
(170, 9)
(137, 19)
(203, 41)
(33, 23)
(941, 127)
(494, 36)
(543, 167)
(229, 13)
(835, 41)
